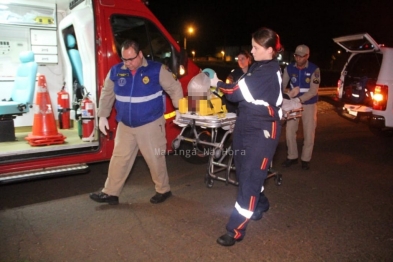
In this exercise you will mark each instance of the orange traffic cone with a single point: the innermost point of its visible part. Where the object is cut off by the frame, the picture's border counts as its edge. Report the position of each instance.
(44, 125)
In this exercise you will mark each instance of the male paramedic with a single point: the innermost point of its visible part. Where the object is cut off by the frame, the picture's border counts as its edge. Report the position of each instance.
(305, 77)
(136, 87)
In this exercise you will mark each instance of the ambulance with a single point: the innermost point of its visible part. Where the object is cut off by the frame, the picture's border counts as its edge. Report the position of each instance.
(48, 122)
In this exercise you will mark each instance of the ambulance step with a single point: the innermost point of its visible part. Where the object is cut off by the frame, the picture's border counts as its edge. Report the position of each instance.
(43, 173)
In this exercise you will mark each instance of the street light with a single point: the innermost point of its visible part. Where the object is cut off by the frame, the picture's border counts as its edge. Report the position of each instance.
(223, 55)
(193, 55)
(190, 30)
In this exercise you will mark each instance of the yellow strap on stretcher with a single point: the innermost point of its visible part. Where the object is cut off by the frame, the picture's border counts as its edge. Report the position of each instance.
(204, 110)
(170, 115)
(220, 114)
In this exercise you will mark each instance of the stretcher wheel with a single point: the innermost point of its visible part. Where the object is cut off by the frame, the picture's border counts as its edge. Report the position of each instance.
(230, 165)
(175, 144)
(278, 179)
(217, 153)
(208, 181)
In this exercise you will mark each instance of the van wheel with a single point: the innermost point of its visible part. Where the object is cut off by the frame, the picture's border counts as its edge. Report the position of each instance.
(381, 132)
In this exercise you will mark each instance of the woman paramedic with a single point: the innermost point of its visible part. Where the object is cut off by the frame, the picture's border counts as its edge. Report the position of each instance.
(257, 131)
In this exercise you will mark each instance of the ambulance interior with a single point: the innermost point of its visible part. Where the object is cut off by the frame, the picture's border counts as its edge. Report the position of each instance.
(63, 45)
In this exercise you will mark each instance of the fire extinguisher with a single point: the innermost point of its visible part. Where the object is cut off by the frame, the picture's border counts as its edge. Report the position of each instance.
(63, 103)
(88, 115)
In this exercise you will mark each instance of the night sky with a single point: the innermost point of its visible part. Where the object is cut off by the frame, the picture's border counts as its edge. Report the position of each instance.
(314, 23)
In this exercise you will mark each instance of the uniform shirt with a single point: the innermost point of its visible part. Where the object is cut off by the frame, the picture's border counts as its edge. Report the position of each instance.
(139, 97)
(307, 79)
(258, 92)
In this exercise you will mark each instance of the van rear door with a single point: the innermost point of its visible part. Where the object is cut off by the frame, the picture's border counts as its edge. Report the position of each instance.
(360, 43)
(357, 80)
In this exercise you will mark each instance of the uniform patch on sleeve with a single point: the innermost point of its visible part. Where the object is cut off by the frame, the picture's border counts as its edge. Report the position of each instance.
(317, 76)
(170, 71)
(317, 73)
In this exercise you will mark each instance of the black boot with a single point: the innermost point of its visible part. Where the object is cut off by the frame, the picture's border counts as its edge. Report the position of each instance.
(101, 197)
(262, 207)
(226, 240)
(289, 162)
(305, 165)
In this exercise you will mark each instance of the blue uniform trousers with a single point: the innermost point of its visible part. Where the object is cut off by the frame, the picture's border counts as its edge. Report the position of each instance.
(254, 145)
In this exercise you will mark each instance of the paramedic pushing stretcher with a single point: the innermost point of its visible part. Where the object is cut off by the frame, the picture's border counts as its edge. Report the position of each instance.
(136, 86)
(257, 131)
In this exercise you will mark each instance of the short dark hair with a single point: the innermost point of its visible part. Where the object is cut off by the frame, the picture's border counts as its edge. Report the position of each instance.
(268, 38)
(245, 53)
(130, 43)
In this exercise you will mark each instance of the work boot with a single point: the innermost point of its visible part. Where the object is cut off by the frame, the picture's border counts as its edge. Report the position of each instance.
(227, 240)
(305, 165)
(101, 197)
(289, 162)
(159, 198)
(258, 212)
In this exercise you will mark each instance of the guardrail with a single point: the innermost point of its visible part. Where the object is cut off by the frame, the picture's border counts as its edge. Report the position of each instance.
(326, 91)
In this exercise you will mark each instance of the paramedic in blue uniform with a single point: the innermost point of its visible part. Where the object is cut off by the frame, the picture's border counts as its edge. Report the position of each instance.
(136, 87)
(304, 76)
(257, 131)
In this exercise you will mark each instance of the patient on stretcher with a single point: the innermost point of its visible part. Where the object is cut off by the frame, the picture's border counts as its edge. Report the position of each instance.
(201, 100)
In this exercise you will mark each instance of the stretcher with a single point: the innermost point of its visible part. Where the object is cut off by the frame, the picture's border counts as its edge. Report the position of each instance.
(221, 165)
(292, 109)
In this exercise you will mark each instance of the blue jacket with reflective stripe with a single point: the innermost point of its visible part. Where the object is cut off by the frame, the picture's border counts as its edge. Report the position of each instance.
(302, 79)
(263, 81)
(139, 97)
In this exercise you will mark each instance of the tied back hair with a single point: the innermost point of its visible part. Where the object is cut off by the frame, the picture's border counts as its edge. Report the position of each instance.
(266, 37)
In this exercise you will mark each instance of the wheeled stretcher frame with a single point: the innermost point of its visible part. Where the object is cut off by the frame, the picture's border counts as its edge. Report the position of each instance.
(220, 163)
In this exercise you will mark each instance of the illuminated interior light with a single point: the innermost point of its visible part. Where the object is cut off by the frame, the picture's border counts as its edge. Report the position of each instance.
(182, 71)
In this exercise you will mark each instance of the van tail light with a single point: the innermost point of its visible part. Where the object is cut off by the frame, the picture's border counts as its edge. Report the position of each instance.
(380, 97)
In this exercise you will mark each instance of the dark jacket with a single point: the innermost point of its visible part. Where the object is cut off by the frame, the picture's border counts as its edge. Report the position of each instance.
(258, 92)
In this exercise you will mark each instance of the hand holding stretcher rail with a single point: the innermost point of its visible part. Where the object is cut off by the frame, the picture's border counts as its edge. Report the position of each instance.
(291, 106)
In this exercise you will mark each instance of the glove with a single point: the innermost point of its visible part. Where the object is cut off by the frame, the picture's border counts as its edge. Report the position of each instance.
(102, 124)
(214, 80)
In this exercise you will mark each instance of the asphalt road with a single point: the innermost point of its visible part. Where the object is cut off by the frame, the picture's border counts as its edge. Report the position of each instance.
(339, 210)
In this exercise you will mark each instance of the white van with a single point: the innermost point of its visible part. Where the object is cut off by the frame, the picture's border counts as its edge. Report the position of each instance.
(363, 87)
